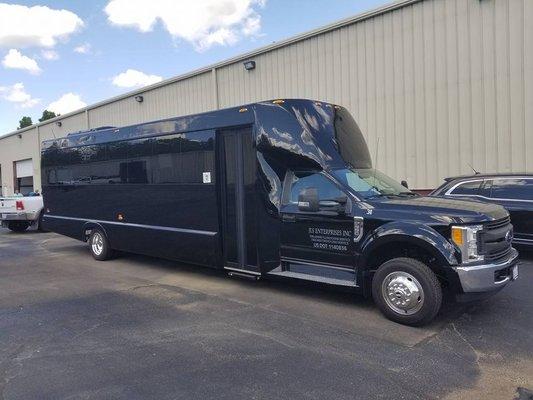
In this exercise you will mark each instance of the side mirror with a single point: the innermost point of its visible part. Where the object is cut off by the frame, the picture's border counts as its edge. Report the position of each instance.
(404, 184)
(308, 200)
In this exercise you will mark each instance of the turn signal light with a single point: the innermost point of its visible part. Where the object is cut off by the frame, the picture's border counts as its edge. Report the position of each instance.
(20, 205)
(457, 235)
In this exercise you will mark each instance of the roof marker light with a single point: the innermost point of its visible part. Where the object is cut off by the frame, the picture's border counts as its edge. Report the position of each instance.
(244, 109)
(278, 102)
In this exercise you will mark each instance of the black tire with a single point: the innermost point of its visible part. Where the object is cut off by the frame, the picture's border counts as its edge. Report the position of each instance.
(99, 245)
(399, 272)
(18, 226)
(40, 223)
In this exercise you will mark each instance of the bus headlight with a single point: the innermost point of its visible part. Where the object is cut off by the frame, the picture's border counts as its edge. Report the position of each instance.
(466, 239)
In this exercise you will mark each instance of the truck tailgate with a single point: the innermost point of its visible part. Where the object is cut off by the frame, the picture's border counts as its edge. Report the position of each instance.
(8, 205)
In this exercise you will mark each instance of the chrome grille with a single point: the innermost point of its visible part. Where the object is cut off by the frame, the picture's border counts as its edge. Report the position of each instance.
(493, 240)
(497, 224)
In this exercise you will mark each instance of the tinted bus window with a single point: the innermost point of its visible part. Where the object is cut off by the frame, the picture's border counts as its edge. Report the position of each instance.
(512, 188)
(197, 156)
(140, 154)
(166, 166)
(55, 161)
(117, 171)
(80, 163)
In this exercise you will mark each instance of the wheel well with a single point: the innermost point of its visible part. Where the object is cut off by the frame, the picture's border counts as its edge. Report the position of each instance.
(388, 251)
(88, 229)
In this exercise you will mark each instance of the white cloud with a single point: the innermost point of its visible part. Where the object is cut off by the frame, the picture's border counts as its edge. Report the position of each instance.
(83, 48)
(66, 103)
(14, 59)
(22, 26)
(50, 55)
(133, 78)
(18, 95)
(200, 22)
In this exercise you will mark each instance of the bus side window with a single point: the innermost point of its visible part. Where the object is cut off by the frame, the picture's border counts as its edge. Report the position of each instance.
(197, 156)
(166, 159)
(299, 180)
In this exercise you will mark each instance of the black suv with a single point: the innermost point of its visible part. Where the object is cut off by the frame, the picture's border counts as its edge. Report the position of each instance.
(513, 191)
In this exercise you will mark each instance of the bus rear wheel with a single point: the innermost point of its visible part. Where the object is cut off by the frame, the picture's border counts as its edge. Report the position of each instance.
(99, 245)
(407, 291)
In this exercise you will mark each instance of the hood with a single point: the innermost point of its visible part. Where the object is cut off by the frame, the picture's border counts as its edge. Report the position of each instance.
(437, 209)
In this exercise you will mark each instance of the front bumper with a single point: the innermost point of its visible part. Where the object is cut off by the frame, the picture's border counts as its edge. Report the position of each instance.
(487, 277)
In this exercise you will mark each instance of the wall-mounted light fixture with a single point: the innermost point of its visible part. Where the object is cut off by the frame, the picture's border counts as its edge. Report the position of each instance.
(59, 123)
(19, 136)
(249, 65)
(139, 99)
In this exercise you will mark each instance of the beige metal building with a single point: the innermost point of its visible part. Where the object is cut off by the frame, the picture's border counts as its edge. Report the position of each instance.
(438, 84)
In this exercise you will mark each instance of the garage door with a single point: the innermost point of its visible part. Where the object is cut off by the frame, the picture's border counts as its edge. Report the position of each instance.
(24, 176)
(24, 168)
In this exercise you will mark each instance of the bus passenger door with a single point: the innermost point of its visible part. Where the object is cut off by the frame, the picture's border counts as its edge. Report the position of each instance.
(237, 166)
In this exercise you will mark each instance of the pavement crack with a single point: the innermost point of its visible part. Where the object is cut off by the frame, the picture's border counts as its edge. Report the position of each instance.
(141, 287)
(476, 352)
(86, 331)
(265, 336)
(13, 361)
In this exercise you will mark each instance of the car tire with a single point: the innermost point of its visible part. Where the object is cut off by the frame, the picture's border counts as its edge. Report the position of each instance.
(99, 245)
(407, 291)
(18, 226)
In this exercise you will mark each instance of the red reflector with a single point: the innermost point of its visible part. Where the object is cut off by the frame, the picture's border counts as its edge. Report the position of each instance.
(20, 205)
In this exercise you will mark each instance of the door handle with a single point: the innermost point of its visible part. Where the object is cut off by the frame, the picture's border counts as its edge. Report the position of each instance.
(288, 218)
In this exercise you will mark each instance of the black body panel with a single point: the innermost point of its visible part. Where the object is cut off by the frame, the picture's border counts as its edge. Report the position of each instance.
(211, 189)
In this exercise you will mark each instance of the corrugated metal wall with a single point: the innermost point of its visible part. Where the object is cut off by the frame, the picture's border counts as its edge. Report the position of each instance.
(440, 83)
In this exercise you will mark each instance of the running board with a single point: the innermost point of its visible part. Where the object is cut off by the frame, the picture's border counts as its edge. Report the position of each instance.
(239, 273)
(337, 281)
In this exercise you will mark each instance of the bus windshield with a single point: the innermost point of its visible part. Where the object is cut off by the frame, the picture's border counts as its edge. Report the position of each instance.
(369, 182)
(350, 140)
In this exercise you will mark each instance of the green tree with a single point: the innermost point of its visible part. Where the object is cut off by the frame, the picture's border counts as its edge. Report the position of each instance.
(48, 115)
(24, 122)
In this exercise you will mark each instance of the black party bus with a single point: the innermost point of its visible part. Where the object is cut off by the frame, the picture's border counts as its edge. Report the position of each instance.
(279, 188)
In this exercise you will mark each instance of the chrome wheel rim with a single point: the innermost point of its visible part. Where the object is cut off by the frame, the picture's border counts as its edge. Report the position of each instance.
(403, 293)
(97, 244)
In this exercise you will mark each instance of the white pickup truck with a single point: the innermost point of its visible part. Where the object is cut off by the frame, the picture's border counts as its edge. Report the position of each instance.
(19, 213)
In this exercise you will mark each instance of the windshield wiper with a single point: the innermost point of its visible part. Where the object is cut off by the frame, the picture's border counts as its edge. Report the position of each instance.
(376, 195)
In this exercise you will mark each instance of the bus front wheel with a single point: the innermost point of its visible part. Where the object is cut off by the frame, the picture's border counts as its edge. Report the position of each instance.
(407, 291)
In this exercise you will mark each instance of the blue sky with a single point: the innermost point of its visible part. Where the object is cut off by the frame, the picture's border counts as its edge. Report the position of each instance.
(76, 56)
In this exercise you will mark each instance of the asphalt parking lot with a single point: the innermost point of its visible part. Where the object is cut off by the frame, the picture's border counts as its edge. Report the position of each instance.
(138, 327)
